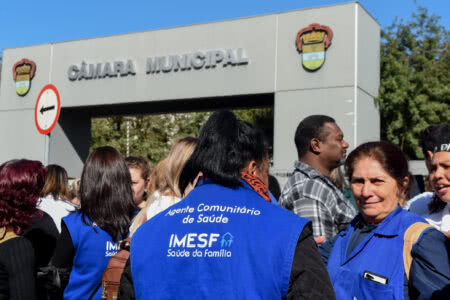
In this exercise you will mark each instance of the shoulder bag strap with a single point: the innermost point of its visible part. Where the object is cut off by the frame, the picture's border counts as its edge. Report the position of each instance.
(124, 245)
(411, 236)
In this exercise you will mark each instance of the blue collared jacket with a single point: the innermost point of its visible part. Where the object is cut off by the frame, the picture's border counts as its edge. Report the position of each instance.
(381, 253)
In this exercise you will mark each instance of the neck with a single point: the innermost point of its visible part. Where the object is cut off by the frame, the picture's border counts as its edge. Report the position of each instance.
(6, 233)
(316, 164)
(372, 220)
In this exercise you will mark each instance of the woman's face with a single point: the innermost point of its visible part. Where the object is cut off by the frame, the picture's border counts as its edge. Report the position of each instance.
(375, 191)
(440, 175)
(138, 185)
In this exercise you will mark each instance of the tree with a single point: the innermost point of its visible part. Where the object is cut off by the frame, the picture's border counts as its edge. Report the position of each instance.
(261, 118)
(152, 136)
(415, 81)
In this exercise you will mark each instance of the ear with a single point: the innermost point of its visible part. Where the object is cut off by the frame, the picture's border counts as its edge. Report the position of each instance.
(252, 167)
(405, 183)
(315, 145)
(429, 155)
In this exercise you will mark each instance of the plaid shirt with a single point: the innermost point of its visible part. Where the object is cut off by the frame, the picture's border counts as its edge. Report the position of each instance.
(314, 196)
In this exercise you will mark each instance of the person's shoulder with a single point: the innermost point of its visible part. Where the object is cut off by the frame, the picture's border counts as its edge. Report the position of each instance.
(18, 245)
(408, 217)
(17, 253)
(283, 213)
(419, 204)
(72, 216)
(300, 173)
(44, 223)
(160, 204)
(292, 185)
(316, 188)
(46, 197)
(66, 204)
(430, 240)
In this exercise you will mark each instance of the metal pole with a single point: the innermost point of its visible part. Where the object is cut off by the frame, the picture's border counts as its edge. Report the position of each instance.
(47, 149)
(128, 137)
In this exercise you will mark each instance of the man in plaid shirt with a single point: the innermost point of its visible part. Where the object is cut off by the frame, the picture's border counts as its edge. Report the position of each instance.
(309, 192)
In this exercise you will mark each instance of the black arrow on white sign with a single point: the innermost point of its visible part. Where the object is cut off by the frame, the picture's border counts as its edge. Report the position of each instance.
(44, 109)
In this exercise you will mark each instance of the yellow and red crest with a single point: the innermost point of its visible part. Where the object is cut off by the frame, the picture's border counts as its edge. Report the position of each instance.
(312, 42)
(23, 73)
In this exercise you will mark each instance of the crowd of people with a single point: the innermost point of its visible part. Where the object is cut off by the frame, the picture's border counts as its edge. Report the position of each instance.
(209, 222)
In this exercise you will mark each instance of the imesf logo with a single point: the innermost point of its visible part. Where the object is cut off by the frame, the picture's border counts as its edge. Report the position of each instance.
(111, 248)
(193, 240)
(226, 240)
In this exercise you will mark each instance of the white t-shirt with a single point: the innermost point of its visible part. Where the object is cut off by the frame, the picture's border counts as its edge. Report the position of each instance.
(423, 200)
(57, 209)
(159, 204)
(419, 205)
(445, 223)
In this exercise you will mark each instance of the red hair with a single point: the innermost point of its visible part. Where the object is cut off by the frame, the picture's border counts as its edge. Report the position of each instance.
(21, 182)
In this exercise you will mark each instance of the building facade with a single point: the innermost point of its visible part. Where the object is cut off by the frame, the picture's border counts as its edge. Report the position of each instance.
(312, 61)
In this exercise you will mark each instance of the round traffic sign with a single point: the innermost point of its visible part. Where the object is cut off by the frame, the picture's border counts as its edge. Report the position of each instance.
(48, 107)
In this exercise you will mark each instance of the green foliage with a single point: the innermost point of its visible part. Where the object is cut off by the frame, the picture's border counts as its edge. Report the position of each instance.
(262, 118)
(152, 136)
(415, 81)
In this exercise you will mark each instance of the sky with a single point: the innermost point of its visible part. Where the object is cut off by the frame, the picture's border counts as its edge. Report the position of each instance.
(31, 22)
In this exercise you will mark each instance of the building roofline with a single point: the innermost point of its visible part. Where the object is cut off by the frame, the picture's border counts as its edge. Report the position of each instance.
(199, 24)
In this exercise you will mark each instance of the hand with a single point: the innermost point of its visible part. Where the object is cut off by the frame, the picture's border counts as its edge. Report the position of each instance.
(447, 234)
(320, 239)
(192, 185)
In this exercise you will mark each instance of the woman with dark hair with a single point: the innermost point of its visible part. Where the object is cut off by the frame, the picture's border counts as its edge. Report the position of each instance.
(225, 240)
(55, 195)
(90, 235)
(377, 256)
(20, 184)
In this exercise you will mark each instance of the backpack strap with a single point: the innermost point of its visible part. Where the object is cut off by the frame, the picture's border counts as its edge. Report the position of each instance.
(411, 236)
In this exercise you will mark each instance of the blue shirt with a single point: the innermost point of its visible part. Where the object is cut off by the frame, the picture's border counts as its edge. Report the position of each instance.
(93, 248)
(217, 243)
(380, 251)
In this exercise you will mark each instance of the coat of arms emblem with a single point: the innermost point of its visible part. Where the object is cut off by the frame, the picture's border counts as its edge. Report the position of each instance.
(312, 42)
(23, 73)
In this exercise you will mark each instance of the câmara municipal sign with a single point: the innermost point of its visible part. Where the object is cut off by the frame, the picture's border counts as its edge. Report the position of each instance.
(160, 64)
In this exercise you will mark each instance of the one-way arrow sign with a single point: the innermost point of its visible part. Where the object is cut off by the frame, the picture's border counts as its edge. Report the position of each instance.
(44, 109)
(48, 107)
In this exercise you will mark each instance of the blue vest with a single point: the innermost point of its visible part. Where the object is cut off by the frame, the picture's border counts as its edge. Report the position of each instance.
(381, 253)
(93, 249)
(217, 243)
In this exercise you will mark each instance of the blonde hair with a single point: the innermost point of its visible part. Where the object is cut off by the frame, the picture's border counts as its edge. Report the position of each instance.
(157, 179)
(177, 158)
(75, 188)
(338, 178)
(166, 176)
